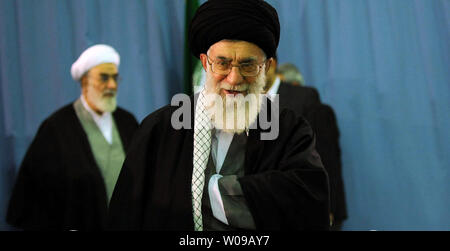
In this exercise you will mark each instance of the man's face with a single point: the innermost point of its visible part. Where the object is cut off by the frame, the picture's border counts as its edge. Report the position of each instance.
(235, 53)
(228, 84)
(100, 88)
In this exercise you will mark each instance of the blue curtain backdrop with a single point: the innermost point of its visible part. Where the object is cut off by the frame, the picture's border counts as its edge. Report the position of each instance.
(383, 65)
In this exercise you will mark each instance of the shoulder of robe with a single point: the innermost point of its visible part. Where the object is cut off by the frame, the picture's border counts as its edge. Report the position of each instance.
(62, 116)
(292, 122)
(156, 120)
(120, 112)
(309, 92)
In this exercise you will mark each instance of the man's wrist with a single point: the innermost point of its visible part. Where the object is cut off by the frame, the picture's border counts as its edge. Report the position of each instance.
(216, 198)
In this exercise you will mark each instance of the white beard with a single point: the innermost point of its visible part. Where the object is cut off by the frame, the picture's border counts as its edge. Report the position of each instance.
(102, 101)
(239, 112)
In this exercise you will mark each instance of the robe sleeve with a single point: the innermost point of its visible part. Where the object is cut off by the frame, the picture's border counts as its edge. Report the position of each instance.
(235, 205)
(323, 121)
(37, 197)
(292, 192)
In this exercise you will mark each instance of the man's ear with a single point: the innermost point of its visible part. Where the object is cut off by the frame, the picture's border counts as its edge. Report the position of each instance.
(204, 60)
(270, 63)
(83, 81)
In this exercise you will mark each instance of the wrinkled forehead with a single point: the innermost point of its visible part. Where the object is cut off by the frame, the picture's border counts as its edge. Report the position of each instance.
(236, 50)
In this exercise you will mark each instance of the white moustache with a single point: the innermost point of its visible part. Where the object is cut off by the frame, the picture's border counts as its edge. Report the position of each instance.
(109, 93)
(237, 88)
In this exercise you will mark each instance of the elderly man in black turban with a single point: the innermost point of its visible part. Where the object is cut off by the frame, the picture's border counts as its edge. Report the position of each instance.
(224, 176)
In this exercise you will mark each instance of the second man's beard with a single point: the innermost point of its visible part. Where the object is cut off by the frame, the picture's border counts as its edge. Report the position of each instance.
(239, 112)
(105, 101)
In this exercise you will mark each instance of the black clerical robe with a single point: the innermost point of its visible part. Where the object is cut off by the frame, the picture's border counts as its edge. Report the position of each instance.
(305, 101)
(285, 184)
(297, 98)
(59, 185)
(323, 121)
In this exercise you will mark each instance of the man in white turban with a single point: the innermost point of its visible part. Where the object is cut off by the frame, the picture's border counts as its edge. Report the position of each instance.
(68, 174)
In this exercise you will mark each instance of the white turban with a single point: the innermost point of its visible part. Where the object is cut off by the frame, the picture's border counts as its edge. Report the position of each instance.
(93, 56)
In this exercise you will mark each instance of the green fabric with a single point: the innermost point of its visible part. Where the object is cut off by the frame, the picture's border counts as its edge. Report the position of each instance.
(109, 157)
(189, 60)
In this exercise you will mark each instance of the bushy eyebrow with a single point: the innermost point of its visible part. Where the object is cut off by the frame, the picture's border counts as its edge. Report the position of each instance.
(247, 60)
(241, 61)
(106, 74)
(224, 58)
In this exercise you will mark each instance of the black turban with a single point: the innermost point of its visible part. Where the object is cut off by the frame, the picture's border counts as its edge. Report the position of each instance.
(254, 21)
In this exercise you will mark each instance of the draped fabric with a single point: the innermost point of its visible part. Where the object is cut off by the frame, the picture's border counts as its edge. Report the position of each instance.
(39, 41)
(383, 65)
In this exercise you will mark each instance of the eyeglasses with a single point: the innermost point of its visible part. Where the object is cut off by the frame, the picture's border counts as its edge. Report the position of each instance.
(104, 78)
(223, 67)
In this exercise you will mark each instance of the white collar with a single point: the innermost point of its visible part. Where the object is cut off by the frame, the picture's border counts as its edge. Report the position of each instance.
(223, 144)
(104, 121)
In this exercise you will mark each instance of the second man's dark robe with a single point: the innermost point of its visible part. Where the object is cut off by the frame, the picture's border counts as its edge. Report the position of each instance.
(59, 185)
(305, 101)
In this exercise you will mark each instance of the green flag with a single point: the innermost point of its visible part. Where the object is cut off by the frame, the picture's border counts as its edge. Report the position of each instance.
(189, 60)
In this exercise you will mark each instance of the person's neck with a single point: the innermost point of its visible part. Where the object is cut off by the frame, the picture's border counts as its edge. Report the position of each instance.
(93, 108)
(270, 83)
